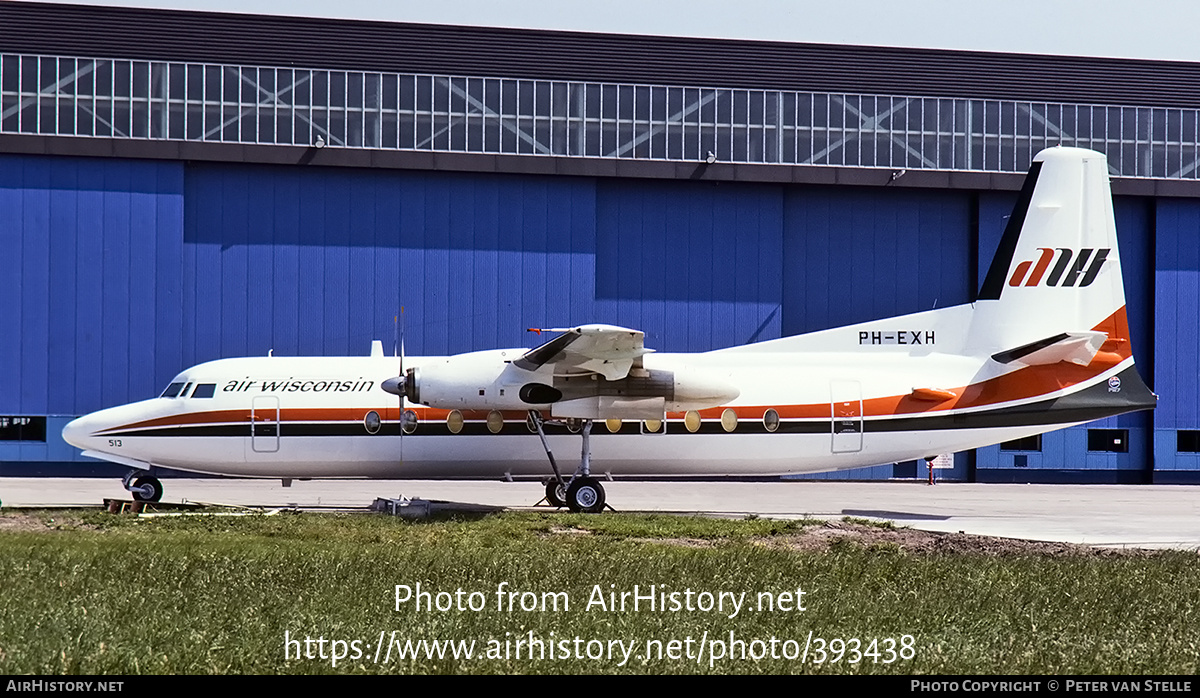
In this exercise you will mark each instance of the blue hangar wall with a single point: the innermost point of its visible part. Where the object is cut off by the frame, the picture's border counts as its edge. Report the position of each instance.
(117, 273)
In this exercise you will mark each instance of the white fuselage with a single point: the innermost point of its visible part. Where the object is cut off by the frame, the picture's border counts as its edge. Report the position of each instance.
(322, 406)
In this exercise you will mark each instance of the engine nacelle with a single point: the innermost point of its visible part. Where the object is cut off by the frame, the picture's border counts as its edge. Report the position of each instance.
(481, 380)
(487, 381)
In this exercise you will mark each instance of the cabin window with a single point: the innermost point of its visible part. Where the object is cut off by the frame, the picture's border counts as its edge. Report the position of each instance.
(205, 390)
(692, 421)
(495, 421)
(652, 426)
(454, 421)
(729, 419)
(172, 390)
(372, 422)
(408, 421)
(614, 425)
(771, 420)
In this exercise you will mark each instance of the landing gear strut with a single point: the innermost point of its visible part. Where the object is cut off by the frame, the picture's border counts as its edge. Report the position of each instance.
(143, 487)
(582, 493)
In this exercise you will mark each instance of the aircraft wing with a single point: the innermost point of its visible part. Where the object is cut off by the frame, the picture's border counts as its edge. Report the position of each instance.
(605, 349)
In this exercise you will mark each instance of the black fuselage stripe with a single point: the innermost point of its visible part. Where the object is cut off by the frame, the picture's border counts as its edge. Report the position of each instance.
(952, 422)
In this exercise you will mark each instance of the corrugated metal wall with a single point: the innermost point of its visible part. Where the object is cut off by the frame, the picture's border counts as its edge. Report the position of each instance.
(89, 274)
(697, 266)
(856, 254)
(1177, 321)
(318, 262)
(117, 274)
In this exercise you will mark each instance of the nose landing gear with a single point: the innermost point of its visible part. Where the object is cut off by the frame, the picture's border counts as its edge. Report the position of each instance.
(142, 486)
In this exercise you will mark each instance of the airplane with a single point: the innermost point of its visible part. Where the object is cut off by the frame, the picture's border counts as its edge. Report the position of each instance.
(1046, 345)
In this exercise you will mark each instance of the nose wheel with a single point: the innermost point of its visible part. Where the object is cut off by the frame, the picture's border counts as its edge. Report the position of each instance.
(144, 488)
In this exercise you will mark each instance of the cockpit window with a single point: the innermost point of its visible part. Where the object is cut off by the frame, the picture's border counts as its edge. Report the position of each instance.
(172, 390)
(204, 390)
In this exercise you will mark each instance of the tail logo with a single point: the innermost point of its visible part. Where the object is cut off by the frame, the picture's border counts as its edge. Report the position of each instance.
(1084, 269)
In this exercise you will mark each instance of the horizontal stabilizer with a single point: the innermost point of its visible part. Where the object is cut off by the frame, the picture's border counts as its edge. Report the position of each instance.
(1074, 347)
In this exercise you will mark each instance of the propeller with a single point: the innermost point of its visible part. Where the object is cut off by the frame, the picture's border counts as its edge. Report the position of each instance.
(398, 385)
(395, 385)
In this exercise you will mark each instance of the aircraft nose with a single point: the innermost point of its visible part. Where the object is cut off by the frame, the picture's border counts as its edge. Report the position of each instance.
(78, 431)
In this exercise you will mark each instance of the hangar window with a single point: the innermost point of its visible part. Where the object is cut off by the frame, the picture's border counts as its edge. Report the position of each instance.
(1108, 440)
(204, 390)
(1187, 441)
(1029, 443)
(14, 428)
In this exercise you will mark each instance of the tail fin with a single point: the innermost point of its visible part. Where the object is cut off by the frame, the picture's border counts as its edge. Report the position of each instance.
(1053, 292)
(1057, 269)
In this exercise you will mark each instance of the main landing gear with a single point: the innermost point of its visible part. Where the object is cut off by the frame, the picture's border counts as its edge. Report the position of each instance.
(582, 493)
(142, 486)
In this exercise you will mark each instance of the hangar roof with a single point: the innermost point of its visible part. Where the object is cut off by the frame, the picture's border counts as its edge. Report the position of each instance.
(406, 47)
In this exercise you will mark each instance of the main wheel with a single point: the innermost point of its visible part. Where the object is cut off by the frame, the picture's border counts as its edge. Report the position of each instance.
(556, 493)
(585, 495)
(147, 489)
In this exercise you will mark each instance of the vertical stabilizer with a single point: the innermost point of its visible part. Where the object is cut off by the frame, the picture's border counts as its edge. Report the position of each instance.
(1057, 268)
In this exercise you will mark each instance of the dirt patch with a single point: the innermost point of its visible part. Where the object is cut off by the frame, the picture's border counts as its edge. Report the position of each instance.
(835, 534)
(564, 531)
(40, 522)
